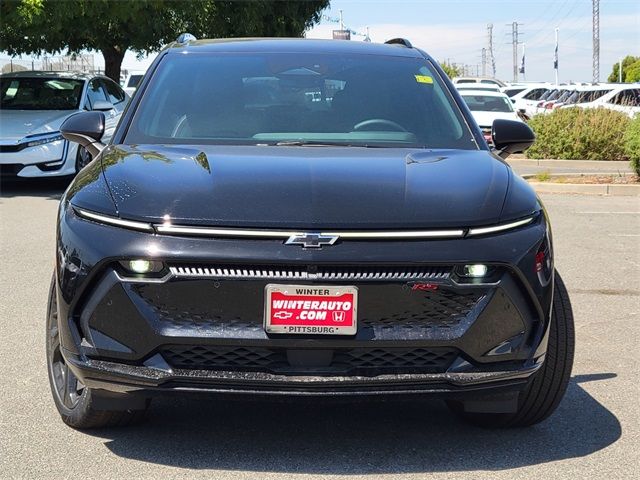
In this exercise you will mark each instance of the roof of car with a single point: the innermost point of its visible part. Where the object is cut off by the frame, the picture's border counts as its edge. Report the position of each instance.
(49, 74)
(286, 45)
(477, 92)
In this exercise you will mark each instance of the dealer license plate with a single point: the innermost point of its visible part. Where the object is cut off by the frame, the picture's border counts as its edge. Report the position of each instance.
(311, 309)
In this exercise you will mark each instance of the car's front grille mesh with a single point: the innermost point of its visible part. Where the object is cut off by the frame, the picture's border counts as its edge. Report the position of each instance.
(344, 361)
(314, 272)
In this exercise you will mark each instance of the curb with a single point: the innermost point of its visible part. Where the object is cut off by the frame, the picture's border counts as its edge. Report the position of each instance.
(586, 164)
(589, 189)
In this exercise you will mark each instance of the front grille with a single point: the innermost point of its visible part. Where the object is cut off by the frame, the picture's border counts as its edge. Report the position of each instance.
(314, 272)
(435, 309)
(10, 169)
(350, 361)
(235, 309)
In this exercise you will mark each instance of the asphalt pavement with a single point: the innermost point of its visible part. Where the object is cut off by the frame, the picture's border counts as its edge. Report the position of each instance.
(594, 434)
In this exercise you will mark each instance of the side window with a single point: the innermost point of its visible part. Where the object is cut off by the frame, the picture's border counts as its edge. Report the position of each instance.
(627, 98)
(115, 93)
(95, 93)
(535, 94)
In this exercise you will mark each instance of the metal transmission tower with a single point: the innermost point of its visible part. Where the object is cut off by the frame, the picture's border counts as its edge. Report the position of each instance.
(491, 58)
(484, 62)
(515, 41)
(596, 41)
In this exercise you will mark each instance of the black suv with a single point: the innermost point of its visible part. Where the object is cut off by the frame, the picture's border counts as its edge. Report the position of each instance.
(303, 217)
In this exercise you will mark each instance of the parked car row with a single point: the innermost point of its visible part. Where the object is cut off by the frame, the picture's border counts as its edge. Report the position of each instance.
(541, 98)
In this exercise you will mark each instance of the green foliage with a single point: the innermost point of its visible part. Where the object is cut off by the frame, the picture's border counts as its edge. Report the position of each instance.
(628, 63)
(632, 143)
(450, 70)
(633, 72)
(543, 176)
(144, 26)
(580, 134)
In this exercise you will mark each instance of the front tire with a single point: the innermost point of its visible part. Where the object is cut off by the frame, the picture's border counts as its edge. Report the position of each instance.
(548, 386)
(74, 401)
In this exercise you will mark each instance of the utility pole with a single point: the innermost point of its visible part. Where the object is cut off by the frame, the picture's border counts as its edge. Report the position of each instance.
(515, 41)
(620, 71)
(484, 62)
(596, 41)
(341, 21)
(491, 57)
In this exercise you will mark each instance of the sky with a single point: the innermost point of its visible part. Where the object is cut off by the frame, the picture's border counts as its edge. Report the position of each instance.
(456, 30)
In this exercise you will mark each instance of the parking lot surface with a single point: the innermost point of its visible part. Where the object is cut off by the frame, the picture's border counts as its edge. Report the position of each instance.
(594, 434)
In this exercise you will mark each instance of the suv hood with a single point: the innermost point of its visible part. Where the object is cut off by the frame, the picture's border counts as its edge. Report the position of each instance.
(306, 187)
(17, 124)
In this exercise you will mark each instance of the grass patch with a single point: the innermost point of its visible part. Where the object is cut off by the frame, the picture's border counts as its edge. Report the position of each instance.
(544, 176)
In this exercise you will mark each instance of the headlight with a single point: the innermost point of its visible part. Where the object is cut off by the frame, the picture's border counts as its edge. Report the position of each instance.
(43, 139)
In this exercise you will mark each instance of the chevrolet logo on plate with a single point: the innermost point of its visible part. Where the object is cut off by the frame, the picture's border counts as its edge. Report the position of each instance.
(311, 240)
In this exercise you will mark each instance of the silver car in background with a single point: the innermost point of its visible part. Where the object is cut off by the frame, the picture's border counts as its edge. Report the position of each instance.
(34, 104)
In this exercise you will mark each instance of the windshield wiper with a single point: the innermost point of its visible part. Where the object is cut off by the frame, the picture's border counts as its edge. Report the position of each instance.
(318, 143)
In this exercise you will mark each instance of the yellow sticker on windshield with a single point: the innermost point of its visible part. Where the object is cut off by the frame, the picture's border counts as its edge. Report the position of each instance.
(423, 79)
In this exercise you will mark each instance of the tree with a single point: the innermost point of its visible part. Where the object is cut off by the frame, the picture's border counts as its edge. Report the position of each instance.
(451, 70)
(633, 72)
(144, 26)
(629, 62)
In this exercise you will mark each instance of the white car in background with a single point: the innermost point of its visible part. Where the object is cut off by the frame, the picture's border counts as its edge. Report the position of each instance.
(488, 106)
(623, 98)
(466, 81)
(527, 98)
(132, 81)
(478, 86)
(33, 105)
(554, 98)
(586, 94)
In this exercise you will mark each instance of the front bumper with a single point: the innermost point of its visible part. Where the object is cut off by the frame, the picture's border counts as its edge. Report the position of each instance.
(121, 378)
(126, 333)
(53, 159)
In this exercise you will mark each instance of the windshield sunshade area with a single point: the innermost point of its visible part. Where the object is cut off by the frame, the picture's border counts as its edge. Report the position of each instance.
(26, 93)
(298, 99)
(486, 103)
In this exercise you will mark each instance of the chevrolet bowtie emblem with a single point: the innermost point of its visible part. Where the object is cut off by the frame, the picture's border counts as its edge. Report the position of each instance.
(311, 240)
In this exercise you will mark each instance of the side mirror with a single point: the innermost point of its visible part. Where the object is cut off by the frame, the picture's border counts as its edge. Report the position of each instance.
(513, 100)
(510, 136)
(85, 128)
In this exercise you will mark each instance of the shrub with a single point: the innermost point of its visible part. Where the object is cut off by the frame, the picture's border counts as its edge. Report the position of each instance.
(580, 134)
(632, 143)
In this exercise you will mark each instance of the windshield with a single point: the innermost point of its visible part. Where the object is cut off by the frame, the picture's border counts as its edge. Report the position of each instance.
(37, 93)
(565, 95)
(256, 98)
(134, 80)
(486, 103)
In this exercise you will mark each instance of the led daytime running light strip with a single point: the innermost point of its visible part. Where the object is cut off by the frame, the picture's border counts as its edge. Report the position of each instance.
(284, 234)
(118, 222)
